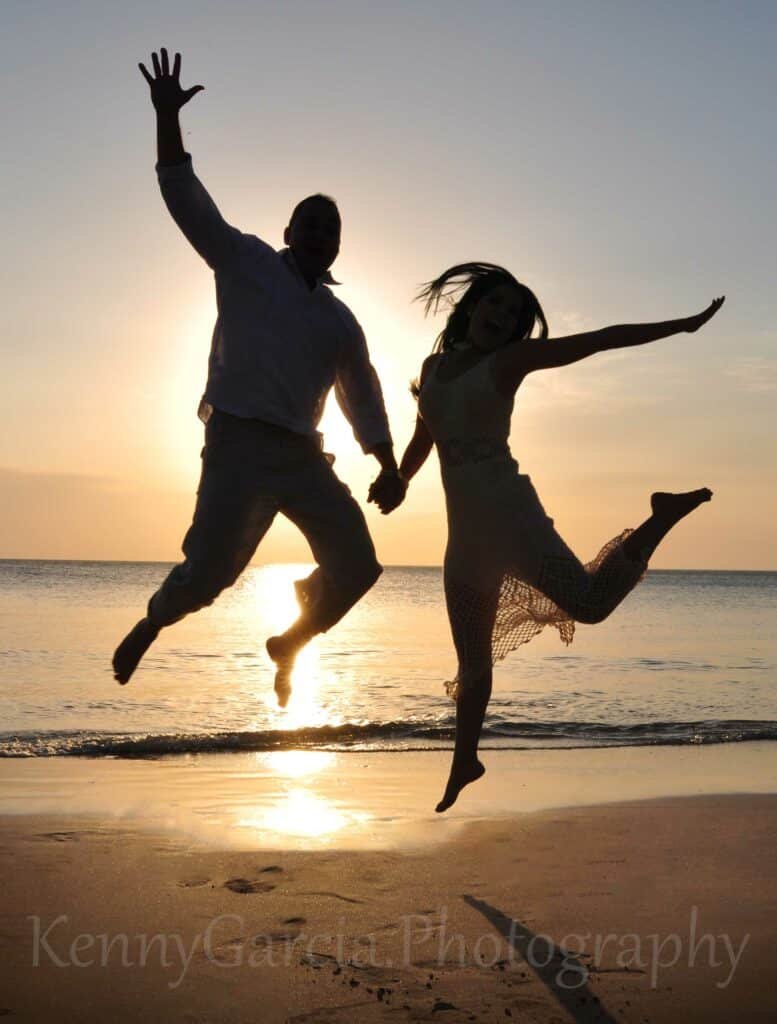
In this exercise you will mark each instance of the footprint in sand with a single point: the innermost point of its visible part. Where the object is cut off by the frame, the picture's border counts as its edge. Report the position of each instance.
(279, 936)
(224, 952)
(192, 883)
(295, 920)
(246, 885)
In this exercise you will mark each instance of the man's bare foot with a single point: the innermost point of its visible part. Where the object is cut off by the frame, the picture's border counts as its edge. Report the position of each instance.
(457, 780)
(282, 684)
(132, 648)
(283, 650)
(673, 507)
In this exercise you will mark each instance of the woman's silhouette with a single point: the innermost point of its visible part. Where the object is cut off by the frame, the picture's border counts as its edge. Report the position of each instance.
(507, 571)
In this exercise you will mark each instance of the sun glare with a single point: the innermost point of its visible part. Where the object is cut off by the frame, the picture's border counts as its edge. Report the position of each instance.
(274, 592)
(297, 764)
(299, 812)
(277, 604)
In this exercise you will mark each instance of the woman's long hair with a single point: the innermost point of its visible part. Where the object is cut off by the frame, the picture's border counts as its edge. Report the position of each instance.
(462, 287)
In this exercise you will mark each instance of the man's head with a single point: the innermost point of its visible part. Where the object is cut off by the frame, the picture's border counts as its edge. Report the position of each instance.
(313, 235)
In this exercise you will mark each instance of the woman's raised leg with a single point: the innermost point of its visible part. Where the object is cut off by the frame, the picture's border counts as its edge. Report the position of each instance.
(589, 594)
(667, 511)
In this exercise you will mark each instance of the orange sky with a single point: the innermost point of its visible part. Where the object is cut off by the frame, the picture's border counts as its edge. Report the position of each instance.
(621, 185)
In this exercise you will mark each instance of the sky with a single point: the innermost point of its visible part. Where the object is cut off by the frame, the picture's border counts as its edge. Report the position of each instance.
(618, 157)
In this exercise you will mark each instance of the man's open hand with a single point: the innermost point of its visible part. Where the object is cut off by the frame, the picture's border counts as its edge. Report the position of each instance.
(166, 92)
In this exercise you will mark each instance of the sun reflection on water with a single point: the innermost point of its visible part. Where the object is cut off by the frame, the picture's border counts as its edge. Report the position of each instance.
(273, 587)
(274, 595)
(297, 810)
(302, 813)
(296, 764)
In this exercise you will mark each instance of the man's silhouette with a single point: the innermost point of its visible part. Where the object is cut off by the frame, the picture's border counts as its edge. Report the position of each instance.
(280, 342)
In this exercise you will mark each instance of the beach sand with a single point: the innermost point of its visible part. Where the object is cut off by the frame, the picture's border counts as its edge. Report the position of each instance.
(646, 910)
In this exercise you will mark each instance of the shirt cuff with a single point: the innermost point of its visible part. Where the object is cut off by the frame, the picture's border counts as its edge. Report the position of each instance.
(175, 172)
(370, 441)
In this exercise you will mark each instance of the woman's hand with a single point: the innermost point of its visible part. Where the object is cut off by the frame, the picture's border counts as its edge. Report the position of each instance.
(166, 93)
(693, 323)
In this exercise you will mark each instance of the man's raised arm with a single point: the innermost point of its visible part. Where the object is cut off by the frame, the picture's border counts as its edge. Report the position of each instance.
(168, 97)
(193, 210)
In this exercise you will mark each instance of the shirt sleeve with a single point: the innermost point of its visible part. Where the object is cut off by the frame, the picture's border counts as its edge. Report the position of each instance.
(358, 391)
(197, 215)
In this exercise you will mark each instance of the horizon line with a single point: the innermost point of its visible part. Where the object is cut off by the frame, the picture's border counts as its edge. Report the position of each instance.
(262, 565)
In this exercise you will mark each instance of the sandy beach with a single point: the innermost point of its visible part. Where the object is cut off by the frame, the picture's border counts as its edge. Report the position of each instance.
(644, 910)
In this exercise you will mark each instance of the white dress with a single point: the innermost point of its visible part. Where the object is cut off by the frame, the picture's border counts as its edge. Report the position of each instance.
(508, 573)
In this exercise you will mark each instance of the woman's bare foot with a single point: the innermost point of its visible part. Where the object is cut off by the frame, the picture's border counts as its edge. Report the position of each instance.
(673, 507)
(457, 780)
(132, 648)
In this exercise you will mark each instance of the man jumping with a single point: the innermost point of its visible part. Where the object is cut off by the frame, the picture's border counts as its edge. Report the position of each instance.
(280, 343)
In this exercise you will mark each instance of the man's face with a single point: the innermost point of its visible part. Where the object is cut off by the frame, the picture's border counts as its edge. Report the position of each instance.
(314, 237)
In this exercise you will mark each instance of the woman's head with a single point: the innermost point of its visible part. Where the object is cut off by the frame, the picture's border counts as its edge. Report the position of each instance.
(490, 307)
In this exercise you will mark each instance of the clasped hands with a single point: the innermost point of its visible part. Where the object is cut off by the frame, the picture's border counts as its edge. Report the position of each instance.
(387, 490)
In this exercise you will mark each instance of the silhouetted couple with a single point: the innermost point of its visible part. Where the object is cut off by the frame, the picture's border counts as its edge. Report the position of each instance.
(281, 341)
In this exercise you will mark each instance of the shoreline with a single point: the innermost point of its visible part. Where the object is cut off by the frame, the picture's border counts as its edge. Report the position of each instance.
(307, 799)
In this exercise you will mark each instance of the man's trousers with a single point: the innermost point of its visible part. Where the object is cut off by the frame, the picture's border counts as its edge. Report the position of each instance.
(251, 471)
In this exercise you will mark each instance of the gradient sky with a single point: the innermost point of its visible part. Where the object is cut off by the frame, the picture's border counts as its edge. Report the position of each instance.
(618, 157)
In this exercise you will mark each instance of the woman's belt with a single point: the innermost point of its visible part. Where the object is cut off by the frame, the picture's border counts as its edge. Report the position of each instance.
(456, 451)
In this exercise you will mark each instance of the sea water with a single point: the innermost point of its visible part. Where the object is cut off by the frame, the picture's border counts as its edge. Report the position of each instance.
(688, 658)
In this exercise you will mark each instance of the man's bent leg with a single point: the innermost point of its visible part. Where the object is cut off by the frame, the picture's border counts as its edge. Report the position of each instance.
(335, 528)
(232, 514)
(218, 546)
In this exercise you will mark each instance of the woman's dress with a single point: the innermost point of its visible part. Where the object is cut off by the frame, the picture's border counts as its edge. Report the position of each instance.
(507, 572)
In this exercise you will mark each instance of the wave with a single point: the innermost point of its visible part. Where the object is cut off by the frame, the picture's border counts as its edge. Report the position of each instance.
(384, 736)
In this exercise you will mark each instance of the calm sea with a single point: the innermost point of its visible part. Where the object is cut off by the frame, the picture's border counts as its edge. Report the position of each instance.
(691, 657)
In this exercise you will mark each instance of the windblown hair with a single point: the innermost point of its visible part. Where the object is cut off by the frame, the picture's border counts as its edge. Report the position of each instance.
(462, 287)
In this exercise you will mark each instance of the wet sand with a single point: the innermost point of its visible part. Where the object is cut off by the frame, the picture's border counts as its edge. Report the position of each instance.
(645, 910)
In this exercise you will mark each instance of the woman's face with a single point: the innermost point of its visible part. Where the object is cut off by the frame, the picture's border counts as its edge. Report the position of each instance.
(494, 319)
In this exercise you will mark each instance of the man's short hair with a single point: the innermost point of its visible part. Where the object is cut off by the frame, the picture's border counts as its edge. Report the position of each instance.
(317, 197)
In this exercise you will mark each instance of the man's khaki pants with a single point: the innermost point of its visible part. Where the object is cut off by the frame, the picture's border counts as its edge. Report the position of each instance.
(251, 471)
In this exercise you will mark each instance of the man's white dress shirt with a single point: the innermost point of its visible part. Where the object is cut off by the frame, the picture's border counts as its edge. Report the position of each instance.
(277, 346)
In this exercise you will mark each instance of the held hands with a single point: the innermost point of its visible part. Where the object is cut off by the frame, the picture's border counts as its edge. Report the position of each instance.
(166, 93)
(693, 323)
(387, 491)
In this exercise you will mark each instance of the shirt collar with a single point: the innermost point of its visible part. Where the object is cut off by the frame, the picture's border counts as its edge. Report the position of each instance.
(288, 257)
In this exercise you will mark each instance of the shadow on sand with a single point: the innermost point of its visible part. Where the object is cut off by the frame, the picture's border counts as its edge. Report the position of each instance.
(561, 971)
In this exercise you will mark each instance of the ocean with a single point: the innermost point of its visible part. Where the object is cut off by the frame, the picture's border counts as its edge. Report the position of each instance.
(689, 658)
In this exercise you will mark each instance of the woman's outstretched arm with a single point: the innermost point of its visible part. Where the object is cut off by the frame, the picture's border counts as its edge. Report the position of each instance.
(534, 354)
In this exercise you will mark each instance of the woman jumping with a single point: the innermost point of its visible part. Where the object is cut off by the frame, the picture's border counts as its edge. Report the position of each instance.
(507, 571)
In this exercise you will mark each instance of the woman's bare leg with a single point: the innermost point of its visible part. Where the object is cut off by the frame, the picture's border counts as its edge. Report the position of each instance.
(471, 706)
(668, 510)
(472, 624)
